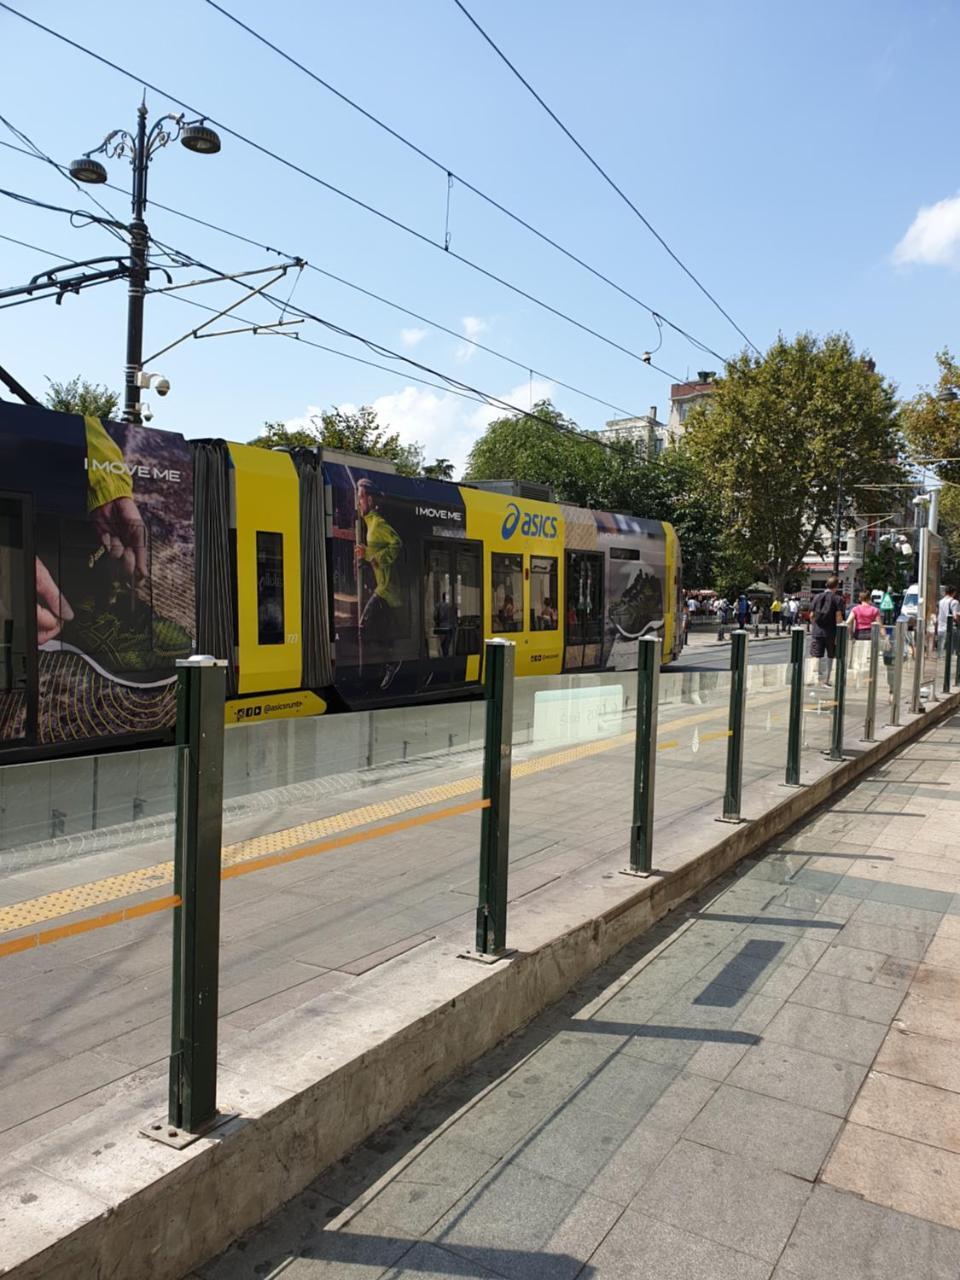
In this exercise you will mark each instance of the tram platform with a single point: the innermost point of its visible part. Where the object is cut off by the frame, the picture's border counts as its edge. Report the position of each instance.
(766, 1084)
(344, 994)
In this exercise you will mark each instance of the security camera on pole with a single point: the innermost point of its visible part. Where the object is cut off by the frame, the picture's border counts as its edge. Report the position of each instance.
(195, 136)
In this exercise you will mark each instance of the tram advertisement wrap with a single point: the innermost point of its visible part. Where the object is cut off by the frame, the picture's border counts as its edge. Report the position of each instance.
(385, 615)
(93, 631)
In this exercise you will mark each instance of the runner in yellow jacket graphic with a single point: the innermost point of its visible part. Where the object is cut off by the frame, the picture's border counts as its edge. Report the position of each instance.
(116, 519)
(379, 621)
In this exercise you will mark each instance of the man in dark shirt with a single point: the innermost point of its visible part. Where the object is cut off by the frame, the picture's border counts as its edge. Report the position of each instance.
(826, 611)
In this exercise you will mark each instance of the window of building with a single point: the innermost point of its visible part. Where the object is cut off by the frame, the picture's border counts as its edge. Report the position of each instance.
(269, 588)
(543, 593)
(506, 595)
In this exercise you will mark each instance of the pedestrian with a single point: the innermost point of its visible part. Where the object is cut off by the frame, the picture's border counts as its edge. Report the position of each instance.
(887, 607)
(794, 610)
(826, 614)
(862, 617)
(743, 610)
(776, 610)
(947, 608)
(755, 616)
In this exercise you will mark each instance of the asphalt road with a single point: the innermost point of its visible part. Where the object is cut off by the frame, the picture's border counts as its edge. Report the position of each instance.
(706, 653)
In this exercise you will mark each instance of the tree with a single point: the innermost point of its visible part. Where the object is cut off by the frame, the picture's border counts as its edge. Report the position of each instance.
(782, 435)
(931, 425)
(355, 432)
(542, 447)
(80, 396)
(439, 469)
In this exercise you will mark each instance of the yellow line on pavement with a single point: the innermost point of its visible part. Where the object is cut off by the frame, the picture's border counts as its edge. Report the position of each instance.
(258, 849)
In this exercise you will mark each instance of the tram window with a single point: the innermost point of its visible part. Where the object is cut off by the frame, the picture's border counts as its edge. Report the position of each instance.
(543, 593)
(624, 553)
(269, 588)
(469, 592)
(584, 586)
(506, 598)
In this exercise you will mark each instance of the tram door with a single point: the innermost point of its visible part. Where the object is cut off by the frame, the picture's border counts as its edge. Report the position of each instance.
(452, 613)
(18, 638)
(583, 614)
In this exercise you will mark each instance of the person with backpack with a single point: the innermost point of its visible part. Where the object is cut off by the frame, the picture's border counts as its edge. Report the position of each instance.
(743, 610)
(826, 614)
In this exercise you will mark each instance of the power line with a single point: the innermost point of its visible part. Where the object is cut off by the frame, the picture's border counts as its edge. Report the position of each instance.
(603, 173)
(355, 200)
(388, 302)
(452, 175)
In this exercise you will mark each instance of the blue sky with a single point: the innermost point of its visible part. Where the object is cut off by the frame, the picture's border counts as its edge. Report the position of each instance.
(798, 158)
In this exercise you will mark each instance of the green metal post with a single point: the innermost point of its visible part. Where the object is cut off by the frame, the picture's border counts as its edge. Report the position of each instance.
(899, 649)
(870, 719)
(201, 684)
(738, 698)
(495, 818)
(645, 754)
(947, 653)
(795, 722)
(839, 694)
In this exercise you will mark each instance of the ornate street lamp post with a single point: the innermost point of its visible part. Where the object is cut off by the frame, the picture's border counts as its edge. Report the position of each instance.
(195, 136)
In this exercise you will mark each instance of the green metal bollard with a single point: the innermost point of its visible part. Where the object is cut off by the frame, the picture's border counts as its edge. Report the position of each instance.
(645, 754)
(839, 694)
(870, 719)
(795, 720)
(738, 698)
(495, 818)
(899, 649)
(947, 653)
(201, 685)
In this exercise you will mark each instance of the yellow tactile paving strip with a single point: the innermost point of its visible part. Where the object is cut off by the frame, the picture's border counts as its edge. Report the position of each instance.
(280, 847)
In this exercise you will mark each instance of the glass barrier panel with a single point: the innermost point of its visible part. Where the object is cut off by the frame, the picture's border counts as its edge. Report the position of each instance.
(86, 884)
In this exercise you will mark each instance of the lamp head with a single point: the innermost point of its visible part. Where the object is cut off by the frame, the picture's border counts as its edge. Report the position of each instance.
(197, 137)
(86, 169)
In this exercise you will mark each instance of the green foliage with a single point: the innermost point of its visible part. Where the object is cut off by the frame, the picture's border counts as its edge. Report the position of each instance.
(541, 450)
(439, 469)
(80, 396)
(357, 432)
(932, 430)
(886, 567)
(776, 438)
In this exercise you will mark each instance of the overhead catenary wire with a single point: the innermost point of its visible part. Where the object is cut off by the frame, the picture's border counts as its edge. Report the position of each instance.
(603, 173)
(352, 199)
(446, 383)
(451, 176)
(388, 302)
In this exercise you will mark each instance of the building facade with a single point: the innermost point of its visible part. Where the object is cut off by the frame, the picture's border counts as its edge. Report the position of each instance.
(685, 396)
(647, 432)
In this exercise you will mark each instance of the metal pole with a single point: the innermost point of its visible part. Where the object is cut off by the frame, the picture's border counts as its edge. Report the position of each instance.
(645, 754)
(495, 818)
(738, 698)
(947, 653)
(838, 526)
(795, 721)
(839, 694)
(201, 687)
(139, 242)
(920, 625)
(899, 648)
(870, 719)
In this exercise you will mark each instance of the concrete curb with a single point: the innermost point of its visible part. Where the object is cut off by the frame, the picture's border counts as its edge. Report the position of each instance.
(97, 1201)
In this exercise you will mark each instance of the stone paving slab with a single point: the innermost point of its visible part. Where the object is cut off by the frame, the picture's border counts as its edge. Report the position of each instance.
(745, 1094)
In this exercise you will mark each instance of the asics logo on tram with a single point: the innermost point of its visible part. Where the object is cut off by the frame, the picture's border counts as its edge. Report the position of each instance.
(530, 523)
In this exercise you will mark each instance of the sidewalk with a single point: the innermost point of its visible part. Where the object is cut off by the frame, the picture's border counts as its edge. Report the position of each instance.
(765, 1085)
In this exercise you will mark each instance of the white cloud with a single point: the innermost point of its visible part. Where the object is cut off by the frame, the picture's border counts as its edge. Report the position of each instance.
(473, 327)
(412, 337)
(445, 424)
(934, 236)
